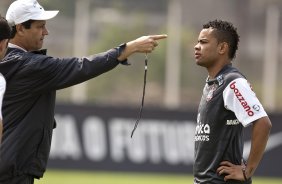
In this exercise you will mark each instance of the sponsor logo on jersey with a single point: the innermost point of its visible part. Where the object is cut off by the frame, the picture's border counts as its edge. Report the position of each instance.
(211, 91)
(232, 122)
(241, 99)
(202, 131)
(256, 107)
(220, 80)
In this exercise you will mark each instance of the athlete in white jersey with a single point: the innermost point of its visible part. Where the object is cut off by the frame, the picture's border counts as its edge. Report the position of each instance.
(228, 105)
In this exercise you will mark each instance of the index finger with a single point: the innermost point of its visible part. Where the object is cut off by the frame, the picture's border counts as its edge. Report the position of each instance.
(158, 37)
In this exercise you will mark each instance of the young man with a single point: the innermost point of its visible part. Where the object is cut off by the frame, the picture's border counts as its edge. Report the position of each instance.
(33, 79)
(228, 104)
(5, 34)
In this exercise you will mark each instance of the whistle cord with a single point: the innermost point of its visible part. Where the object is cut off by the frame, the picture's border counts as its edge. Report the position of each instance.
(143, 96)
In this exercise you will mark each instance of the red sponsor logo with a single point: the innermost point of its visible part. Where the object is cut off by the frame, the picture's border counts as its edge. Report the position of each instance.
(241, 99)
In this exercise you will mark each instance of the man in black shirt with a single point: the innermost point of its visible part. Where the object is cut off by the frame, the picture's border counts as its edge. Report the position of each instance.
(228, 104)
(33, 78)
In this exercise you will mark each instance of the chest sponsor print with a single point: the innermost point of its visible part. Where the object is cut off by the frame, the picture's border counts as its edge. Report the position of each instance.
(202, 131)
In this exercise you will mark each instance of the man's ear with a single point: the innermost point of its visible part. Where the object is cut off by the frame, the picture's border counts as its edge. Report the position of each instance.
(2, 45)
(2, 48)
(223, 48)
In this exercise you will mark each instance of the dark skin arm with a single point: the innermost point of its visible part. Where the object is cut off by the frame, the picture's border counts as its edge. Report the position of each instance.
(260, 133)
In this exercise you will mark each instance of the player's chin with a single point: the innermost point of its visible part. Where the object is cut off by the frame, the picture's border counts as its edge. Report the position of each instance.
(198, 62)
(39, 45)
(202, 63)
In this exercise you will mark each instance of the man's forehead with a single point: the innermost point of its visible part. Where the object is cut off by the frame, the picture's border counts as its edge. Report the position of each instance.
(206, 33)
(39, 22)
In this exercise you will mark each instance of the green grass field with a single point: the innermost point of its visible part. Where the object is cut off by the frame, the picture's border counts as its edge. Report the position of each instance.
(91, 177)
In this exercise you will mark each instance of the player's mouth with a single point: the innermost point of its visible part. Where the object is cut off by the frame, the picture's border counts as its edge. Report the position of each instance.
(197, 55)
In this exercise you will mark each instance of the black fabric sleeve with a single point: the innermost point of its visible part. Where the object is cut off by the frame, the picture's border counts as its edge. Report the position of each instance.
(47, 73)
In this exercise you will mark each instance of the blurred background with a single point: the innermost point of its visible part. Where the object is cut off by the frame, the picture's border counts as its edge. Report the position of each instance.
(175, 82)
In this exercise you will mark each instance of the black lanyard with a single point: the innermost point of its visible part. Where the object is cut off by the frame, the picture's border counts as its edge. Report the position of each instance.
(143, 96)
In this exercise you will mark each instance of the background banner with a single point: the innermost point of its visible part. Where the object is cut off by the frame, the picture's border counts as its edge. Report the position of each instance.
(98, 138)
